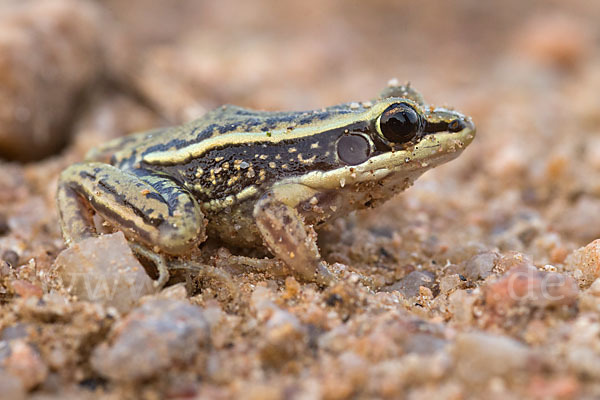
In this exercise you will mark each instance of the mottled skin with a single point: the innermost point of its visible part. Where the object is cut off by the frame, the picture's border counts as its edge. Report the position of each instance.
(254, 178)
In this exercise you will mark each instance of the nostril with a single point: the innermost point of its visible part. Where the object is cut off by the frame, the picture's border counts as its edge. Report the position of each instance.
(456, 125)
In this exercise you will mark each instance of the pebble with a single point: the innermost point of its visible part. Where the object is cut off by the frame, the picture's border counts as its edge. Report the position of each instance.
(54, 306)
(11, 257)
(481, 356)
(50, 54)
(585, 263)
(526, 285)
(461, 306)
(387, 379)
(559, 387)
(10, 388)
(284, 339)
(26, 289)
(480, 266)
(103, 269)
(25, 363)
(512, 259)
(421, 343)
(409, 285)
(583, 361)
(590, 298)
(449, 283)
(153, 338)
(581, 346)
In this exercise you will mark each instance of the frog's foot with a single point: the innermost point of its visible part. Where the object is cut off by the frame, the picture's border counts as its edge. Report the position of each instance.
(269, 266)
(209, 272)
(157, 259)
(290, 239)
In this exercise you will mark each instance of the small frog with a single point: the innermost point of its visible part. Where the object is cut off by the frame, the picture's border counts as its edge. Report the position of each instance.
(258, 178)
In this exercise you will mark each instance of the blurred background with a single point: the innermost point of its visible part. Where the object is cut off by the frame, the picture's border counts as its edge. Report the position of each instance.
(269, 53)
(177, 59)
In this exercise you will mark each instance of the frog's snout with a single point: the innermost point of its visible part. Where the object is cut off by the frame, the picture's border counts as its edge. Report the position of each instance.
(444, 120)
(461, 124)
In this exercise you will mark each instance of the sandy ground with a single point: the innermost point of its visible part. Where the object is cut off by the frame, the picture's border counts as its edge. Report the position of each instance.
(483, 276)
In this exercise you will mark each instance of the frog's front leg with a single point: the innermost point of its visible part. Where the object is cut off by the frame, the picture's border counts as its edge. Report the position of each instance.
(148, 207)
(290, 239)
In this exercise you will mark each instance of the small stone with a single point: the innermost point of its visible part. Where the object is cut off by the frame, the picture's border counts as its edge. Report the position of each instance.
(154, 337)
(292, 288)
(410, 284)
(584, 361)
(480, 357)
(174, 292)
(14, 331)
(26, 289)
(580, 344)
(461, 304)
(5, 270)
(480, 266)
(343, 376)
(510, 260)
(585, 263)
(422, 343)
(558, 255)
(284, 338)
(526, 285)
(11, 257)
(103, 269)
(52, 306)
(589, 300)
(450, 283)
(556, 387)
(10, 388)
(461, 252)
(26, 364)
(51, 53)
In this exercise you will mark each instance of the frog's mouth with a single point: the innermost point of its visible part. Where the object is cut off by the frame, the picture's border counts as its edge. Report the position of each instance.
(434, 148)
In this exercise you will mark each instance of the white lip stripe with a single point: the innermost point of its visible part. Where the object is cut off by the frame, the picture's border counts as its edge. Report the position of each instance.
(433, 150)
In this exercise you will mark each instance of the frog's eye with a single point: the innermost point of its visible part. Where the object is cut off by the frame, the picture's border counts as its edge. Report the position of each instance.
(353, 149)
(400, 123)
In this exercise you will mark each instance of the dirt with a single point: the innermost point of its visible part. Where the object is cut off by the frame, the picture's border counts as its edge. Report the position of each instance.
(483, 278)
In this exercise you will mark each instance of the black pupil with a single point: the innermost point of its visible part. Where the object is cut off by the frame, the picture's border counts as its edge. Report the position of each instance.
(353, 149)
(400, 123)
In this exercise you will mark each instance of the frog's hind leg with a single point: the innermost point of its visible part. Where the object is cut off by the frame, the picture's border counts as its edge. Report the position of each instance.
(148, 207)
(292, 241)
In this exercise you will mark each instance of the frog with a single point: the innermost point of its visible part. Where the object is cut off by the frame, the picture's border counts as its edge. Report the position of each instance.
(258, 179)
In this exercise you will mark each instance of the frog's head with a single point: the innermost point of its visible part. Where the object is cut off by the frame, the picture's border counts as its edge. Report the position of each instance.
(399, 139)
